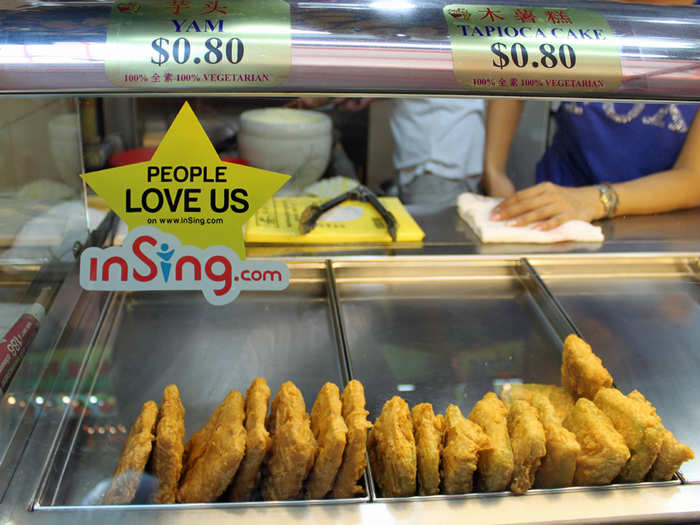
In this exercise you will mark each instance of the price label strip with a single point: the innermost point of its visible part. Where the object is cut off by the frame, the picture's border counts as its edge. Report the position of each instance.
(510, 48)
(169, 44)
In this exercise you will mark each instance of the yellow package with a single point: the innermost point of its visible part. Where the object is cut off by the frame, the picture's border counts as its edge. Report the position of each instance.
(350, 222)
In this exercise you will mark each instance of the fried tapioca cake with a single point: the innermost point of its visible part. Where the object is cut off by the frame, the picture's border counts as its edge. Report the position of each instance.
(560, 398)
(496, 463)
(392, 450)
(672, 454)
(527, 439)
(427, 430)
(169, 445)
(559, 464)
(355, 454)
(293, 445)
(330, 432)
(642, 432)
(133, 458)
(582, 372)
(212, 471)
(603, 449)
(463, 442)
(258, 441)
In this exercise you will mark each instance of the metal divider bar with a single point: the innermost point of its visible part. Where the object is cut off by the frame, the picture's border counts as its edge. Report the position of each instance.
(51, 332)
(61, 427)
(338, 328)
(87, 382)
(554, 311)
(345, 356)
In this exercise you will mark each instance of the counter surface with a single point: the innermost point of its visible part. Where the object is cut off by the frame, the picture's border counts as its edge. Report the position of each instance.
(447, 234)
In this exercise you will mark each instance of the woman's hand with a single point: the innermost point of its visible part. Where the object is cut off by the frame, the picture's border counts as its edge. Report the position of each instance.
(548, 205)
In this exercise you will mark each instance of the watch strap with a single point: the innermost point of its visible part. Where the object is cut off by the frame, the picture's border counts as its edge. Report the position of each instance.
(609, 199)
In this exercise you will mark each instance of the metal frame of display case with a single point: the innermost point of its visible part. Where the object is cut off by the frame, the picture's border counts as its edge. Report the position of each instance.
(353, 47)
(337, 49)
(91, 324)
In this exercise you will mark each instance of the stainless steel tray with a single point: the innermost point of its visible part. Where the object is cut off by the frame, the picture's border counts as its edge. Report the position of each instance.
(467, 292)
(444, 331)
(149, 340)
(448, 331)
(642, 317)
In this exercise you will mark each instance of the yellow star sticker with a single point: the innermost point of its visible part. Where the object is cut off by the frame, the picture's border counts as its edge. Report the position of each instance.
(187, 190)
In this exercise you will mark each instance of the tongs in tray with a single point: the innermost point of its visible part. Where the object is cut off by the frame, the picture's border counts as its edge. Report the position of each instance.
(311, 214)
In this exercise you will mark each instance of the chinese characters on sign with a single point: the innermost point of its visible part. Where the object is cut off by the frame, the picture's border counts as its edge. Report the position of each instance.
(507, 48)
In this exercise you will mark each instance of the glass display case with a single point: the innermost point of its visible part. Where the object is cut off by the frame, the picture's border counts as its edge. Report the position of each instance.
(442, 321)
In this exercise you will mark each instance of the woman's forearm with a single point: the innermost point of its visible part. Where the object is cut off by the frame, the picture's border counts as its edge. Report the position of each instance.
(502, 119)
(664, 191)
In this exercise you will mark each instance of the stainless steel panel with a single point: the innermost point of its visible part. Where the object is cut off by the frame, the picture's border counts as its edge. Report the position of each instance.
(149, 340)
(444, 331)
(350, 47)
(641, 315)
(647, 504)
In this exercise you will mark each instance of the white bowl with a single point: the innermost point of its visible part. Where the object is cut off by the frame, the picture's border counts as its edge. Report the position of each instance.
(292, 141)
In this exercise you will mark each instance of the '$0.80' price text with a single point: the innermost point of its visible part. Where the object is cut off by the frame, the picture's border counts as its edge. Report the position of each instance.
(181, 50)
(519, 56)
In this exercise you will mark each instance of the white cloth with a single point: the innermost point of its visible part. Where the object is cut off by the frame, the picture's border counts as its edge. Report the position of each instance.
(476, 210)
(439, 136)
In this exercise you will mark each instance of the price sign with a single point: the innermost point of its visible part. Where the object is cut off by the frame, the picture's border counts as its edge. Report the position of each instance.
(167, 44)
(510, 48)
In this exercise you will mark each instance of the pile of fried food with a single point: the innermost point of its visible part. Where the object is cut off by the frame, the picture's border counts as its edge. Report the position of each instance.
(585, 432)
(242, 449)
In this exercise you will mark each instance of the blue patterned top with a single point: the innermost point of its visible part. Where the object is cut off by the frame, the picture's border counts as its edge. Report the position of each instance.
(613, 142)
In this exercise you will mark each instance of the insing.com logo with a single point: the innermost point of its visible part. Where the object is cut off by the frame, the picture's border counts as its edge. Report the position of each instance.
(152, 260)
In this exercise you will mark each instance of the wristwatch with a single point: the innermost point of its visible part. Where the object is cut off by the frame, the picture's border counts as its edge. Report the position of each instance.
(609, 198)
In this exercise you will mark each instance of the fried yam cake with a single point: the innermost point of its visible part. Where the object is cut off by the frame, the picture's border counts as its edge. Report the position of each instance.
(198, 442)
(355, 454)
(496, 463)
(330, 432)
(641, 431)
(258, 441)
(169, 445)
(672, 454)
(527, 439)
(427, 430)
(559, 464)
(293, 445)
(287, 404)
(392, 450)
(582, 372)
(560, 398)
(133, 458)
(464, 441)
(221, 454)
(603, 449)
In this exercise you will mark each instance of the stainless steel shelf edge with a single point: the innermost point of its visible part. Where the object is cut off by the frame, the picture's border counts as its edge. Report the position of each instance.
(674, 504)
(359, 47)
